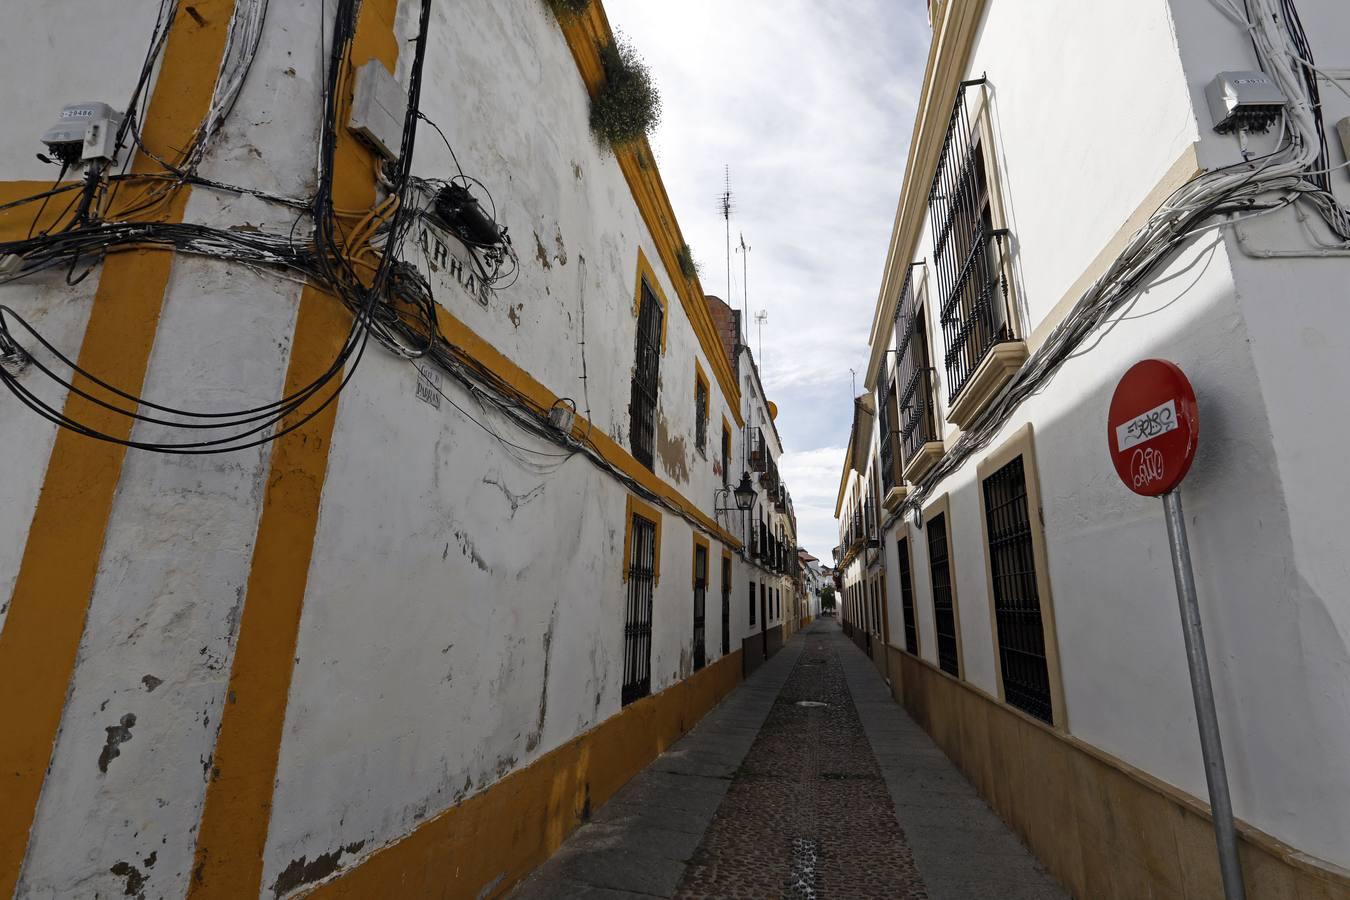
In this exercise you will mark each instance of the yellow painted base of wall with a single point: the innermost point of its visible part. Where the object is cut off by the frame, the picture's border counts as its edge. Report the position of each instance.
(1103, 828)
(495, 838)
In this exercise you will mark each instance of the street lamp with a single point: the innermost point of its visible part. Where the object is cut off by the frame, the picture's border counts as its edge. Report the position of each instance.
(744, 494)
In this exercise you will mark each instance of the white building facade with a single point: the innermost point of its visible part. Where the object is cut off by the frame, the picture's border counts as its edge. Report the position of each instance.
(491, 565)
(1065, 214)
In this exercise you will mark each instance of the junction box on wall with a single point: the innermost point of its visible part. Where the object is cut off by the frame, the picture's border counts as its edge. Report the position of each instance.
(85, 132)
(1250, 101)
(379, 106)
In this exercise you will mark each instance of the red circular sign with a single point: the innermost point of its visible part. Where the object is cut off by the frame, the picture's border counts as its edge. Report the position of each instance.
(1152, 427)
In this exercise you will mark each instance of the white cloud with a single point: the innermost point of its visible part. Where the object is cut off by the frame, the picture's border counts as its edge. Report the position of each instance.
(811, 103)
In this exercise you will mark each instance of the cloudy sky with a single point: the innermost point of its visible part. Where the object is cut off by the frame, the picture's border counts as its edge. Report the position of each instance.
(810, 102)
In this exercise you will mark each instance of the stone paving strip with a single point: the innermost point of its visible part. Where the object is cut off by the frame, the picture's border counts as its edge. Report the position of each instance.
(961, 846)
(639, 842)
(808, 781)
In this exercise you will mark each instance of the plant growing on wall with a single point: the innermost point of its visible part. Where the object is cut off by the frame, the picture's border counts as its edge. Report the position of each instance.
(628, 105)
(568, 9)
(688, 267)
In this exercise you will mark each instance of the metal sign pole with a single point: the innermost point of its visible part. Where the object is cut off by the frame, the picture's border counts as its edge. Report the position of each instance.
(1220, 802)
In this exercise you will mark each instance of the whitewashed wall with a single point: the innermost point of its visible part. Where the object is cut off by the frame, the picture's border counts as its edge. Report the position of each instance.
(1080, 144)
(465, 611)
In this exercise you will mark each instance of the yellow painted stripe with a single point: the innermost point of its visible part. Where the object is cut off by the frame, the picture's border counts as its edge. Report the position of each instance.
(237, 810)
(51, 596)
(489, 357)
(236, 815)
(487, 843)
(585, 35)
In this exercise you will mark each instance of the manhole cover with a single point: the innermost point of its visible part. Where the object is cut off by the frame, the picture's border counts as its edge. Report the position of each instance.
(811, 703)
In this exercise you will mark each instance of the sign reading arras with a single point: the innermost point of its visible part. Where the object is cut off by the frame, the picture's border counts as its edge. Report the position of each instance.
(445, 260)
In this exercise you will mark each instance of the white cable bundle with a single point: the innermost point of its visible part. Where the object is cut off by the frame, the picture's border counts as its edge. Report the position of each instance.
(1284, 173)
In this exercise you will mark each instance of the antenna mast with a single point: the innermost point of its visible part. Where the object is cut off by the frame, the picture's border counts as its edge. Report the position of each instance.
(724, 208)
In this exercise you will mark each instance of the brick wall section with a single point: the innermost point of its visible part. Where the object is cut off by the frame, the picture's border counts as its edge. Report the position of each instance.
(728, 322)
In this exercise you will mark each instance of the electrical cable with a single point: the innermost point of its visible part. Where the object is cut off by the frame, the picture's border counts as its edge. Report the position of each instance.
(1293, 171)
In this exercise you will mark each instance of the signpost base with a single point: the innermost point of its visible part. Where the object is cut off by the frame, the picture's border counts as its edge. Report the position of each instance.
(1220, 802)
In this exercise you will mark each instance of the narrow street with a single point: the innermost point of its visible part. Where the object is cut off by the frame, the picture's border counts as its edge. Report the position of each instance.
(807, 781)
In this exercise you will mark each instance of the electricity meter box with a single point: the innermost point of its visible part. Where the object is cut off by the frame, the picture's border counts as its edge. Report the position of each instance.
(86, 132)
(1246, 100)
(379, 106)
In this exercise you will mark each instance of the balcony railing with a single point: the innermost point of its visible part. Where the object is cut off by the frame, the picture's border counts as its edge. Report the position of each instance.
(759, 450)
(976, 314)
(918, 418)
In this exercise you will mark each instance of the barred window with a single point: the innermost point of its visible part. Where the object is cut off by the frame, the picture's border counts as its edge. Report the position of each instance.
(967, 251)
(914, 373)
(637, 629)
(700, 607)
(726, 456)
(752, 604)
(1017, 603)
(646, 379)
(726, 605)
(944, 600)
(907, 597)
(701, 415)
(886, 426)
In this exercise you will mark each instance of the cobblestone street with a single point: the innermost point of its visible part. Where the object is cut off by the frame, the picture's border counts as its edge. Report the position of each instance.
(808, 781)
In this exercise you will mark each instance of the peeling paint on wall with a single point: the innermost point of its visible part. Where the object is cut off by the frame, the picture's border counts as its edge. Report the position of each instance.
(673, 451)
(117, 735)
(302, 871)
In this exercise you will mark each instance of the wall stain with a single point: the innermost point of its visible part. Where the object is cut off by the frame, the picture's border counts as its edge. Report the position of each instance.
(513, 313)
(541, 252)
(561, 255)
(151, 682)
(467, 548)
(537, 735)
(672, 451)
(117, 734)
(303, 871)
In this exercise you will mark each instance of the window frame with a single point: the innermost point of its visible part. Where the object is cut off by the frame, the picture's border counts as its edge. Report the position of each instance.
(636, 509)
(1000, 358)
(727, 451)
(728, 586)
(942, 507)
(909, 616)
(701, 421)
(700, 544)
(1022, 443)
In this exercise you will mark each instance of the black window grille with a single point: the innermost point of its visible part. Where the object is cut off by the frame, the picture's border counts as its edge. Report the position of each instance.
(944, 605)
(752, 604)
(885, 426)
(967, 251)
(726, 606)
(726, 457)
(637, 629)
(907, 597)
(700, 608)
(700, 416)
(914, 373)
(1017, 602)
(646, 378)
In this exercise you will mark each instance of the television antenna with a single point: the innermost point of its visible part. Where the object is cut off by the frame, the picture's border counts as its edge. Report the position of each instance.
(725, 204)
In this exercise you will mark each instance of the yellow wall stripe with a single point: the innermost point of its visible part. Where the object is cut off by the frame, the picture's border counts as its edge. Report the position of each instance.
(489, 357)
(495, 838)
(51, 596)
(237, 811)
(585, 35)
